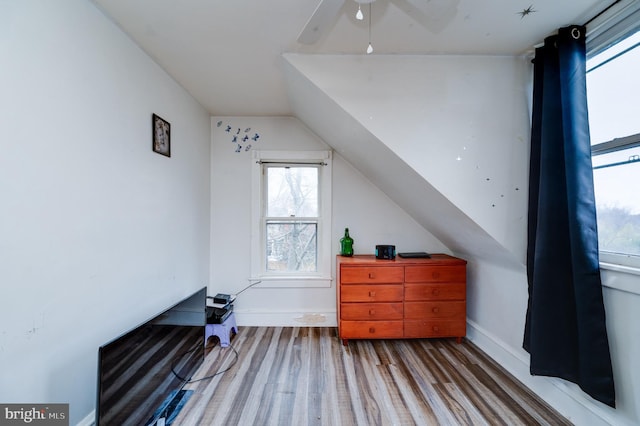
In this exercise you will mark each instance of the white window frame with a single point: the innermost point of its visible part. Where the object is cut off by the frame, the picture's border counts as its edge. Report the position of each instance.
(620, 22)
(320, 278)
(609, 259)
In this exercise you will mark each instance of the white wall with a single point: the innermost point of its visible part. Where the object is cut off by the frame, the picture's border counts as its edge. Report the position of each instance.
(622, 304)
(97, 232)
(461, 122)
(372, 218)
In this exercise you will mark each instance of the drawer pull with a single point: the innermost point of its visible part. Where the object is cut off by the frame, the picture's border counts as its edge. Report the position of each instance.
(372, 312)
(436, 328)
(435, 291)
(435, 274)
(372, 275)
(372, 330)
(435, 310)
(372, 294)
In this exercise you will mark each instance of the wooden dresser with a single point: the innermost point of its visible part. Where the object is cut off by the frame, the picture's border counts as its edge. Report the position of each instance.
(401, 298)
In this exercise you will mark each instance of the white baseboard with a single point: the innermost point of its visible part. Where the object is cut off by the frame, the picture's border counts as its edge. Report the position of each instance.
(565, 397)
(251, 318)
(89, 420)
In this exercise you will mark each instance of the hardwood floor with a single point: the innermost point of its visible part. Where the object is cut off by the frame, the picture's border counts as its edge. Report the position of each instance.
(305, 376)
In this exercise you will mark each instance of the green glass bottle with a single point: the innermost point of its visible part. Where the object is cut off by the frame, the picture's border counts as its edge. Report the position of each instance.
(346, 244)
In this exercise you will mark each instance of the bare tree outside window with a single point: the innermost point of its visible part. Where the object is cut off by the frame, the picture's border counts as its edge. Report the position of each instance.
(291, 218)
(616, 201)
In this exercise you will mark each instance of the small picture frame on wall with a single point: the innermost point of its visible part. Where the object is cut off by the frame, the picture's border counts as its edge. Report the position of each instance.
(161, 135)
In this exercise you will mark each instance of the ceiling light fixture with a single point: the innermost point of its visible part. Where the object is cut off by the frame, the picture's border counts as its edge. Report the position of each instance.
(370, 47)
(359, 15)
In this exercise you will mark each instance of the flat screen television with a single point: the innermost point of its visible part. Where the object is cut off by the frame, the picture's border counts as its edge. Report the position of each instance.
(142, 372)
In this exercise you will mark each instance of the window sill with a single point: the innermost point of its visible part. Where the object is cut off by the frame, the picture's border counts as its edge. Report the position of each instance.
(292, 282)
(609, 279)
(620, 268)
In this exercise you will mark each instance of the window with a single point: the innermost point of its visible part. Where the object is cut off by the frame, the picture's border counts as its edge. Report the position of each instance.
(613, 89)
(291, 218)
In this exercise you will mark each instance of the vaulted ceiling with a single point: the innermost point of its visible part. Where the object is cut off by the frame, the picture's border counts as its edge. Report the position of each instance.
(228, 54)
(283, 57)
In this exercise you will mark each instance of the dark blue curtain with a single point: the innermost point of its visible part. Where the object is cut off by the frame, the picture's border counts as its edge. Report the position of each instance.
(565, 331)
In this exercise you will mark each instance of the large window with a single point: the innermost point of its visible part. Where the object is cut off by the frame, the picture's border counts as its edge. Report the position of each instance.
(613, 89)
(292, 218)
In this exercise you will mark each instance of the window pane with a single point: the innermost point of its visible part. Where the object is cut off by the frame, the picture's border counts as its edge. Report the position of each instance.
(617, 201)
(292, 191)
(292, 246)
(613, 90)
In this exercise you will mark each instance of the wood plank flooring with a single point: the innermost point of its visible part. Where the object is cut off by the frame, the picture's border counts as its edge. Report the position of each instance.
(305, 376)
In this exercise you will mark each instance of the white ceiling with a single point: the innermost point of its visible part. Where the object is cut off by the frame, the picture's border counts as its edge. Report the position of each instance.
(228, 53)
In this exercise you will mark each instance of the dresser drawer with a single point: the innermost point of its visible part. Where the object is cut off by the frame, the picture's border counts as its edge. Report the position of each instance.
(428, 273)
(371, 274)
(371, 329)
(371, 311)
(435, 291)
(435, 310)
(377, 293)
(435, 328)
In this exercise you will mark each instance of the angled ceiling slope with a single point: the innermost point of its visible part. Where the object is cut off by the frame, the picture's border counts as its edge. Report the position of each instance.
(351, 139)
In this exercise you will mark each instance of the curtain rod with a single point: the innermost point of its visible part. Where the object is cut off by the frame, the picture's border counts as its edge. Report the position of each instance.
(601, 12)
(318, 163)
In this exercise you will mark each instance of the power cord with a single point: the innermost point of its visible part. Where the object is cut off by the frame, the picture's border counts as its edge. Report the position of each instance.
(235, 360)
(188, 381)
(246, 288)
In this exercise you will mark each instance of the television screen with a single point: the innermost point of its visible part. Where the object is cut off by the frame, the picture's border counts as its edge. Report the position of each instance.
(141, 373)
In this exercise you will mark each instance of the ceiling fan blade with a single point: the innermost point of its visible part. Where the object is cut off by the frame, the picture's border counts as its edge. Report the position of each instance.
(434, 15)
(322, 19)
